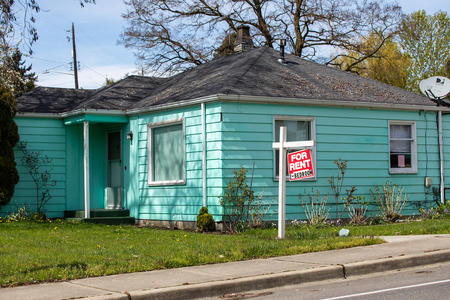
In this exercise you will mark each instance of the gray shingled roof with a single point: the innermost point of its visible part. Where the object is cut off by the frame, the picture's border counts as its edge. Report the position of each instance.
(123, 94)
(51, 100)
(256, 72)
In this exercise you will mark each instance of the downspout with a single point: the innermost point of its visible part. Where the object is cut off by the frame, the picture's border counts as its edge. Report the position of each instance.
(203, 154)
(87, 201)
(441, 157)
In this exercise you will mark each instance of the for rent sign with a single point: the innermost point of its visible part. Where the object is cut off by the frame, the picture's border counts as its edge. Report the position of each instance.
(300, 165)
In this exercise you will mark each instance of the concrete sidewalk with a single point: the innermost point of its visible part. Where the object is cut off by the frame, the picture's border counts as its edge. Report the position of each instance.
(210, 280)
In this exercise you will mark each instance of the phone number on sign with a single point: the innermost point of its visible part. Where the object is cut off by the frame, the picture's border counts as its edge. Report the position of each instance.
(302, 174)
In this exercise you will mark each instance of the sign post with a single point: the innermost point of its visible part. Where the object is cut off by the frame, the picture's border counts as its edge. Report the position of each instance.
(282, 185)
(282, 146)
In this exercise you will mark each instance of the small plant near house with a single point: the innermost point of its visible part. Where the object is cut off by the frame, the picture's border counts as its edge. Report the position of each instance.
(236, 200)
(242, 208)
(390, 199)
(437, 212)
(336, 183)
(258, 211)
(357, 211)
(21, 214)
(205, 221)
(315, 207)
(37, 167)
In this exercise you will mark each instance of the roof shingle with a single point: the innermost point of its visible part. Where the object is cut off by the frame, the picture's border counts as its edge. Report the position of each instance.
(256, 72)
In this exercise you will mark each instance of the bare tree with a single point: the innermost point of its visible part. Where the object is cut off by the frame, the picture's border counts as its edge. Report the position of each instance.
(172, 35)
(17, 33)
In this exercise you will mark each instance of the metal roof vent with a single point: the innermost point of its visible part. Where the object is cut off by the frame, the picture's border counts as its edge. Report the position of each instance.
(282, 59)
(243, 39)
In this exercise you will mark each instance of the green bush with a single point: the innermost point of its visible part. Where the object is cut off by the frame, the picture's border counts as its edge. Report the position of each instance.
(205, 221)
(8, 138)
(390, 199)
(441, 210)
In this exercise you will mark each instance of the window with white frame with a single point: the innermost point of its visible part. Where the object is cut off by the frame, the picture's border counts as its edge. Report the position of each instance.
(166, 163)
(297, 129)
(402, 147)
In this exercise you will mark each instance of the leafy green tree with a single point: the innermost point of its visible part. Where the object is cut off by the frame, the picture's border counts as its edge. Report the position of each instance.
(24, 81)
(426, 39)
(385, 63)
(8, 138)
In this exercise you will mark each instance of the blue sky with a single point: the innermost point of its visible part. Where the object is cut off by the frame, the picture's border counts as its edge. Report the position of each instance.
(97, 29)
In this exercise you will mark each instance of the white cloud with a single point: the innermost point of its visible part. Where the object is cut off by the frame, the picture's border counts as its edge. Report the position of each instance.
(88, 77)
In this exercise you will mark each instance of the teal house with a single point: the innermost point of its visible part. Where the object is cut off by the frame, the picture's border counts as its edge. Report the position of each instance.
(164, 147)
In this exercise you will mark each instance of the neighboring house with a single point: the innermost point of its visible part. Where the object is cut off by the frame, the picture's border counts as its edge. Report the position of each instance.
(163, 147)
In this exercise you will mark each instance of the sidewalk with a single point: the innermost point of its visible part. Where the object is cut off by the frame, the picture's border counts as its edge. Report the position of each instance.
(210, 280)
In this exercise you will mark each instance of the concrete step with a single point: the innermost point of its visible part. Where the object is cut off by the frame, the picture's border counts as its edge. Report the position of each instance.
(104, 220)
(110, 220)
(97, 213)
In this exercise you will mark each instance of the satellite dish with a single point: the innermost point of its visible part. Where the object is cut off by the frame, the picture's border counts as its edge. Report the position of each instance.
(436, 87)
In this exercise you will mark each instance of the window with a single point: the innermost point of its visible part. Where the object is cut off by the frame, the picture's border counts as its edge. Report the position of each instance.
(297, 129)
(166, 153)
(402, 147)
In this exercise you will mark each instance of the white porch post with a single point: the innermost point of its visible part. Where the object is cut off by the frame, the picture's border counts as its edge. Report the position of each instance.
(282, 184)
(87, 209)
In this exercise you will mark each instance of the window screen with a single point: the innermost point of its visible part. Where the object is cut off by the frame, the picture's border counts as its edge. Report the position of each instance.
(296, 130)
(402, 147)
(167, 153)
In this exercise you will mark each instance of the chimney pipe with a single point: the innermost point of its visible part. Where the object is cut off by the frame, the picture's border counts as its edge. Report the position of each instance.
(243, 39)
(282, 59)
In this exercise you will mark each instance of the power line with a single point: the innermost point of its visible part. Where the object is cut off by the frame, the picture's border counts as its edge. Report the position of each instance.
(98, 73)
(43, 59)
(52, 68)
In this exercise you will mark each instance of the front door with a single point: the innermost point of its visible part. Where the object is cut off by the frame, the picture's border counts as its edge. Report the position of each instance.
(114, 172)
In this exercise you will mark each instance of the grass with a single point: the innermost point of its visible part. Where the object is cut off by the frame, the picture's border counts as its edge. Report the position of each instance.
(32, 252)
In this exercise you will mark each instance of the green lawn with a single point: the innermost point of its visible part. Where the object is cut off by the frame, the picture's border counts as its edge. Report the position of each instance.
(33, 252)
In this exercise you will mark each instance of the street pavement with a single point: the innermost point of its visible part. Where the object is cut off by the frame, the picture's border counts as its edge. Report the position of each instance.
(416, 283)
(399, 252)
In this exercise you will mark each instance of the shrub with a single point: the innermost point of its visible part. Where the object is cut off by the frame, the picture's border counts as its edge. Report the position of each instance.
(205, 221)
(357, 211)
(242, 209)
(436, 212)
(390, 199)
(237, 198)
(315, 207)
(8, 138)
(22, 214)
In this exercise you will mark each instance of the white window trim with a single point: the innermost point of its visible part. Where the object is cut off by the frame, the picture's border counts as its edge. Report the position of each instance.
(150, 126)
(313, 137)
(413, 169)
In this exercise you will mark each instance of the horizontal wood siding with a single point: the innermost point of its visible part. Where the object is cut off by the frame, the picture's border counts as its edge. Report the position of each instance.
(175, 202)
(359, 136)
(49, 137)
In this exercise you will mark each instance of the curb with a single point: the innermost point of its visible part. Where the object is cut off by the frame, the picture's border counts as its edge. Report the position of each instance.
(237, 285)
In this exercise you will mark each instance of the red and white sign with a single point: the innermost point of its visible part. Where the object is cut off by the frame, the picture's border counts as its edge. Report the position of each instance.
(300, 165)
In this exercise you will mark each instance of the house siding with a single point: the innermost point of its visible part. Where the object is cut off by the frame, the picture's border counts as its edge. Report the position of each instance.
(359, 136)
(175, 202)
(49, 137)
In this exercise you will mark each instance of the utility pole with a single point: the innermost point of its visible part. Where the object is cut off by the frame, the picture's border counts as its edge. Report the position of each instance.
(75, 64)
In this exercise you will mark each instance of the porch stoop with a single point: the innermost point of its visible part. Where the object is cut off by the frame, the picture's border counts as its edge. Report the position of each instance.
(101, 216)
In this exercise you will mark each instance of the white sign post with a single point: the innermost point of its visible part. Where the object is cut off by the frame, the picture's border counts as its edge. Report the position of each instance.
(282, 146)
